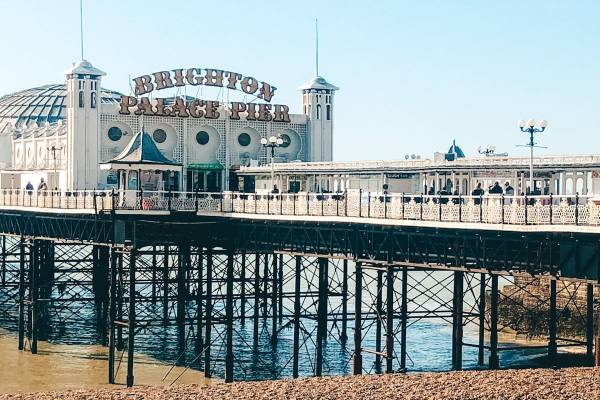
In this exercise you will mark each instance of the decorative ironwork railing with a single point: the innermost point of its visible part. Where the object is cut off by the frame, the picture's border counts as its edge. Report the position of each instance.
(489, 209)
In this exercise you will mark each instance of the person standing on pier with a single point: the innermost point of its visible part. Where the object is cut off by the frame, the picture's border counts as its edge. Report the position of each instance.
(42, 185)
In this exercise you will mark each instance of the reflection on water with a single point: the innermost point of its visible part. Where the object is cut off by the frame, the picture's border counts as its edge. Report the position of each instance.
(74, 359)
(61, 367)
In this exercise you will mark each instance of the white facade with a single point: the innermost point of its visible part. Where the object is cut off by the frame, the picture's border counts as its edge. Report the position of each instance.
(88, 130)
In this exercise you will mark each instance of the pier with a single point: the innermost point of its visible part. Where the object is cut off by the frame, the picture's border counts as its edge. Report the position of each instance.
(333, 269)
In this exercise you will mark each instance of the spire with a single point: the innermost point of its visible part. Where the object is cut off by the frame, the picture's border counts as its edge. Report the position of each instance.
(317, 45)
(81, 25)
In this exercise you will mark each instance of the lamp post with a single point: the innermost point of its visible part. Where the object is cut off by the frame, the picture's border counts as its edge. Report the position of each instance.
(272, 143)
(54, 149)
(531, 128)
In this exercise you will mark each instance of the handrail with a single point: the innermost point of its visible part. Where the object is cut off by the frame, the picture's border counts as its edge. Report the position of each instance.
(487, 209)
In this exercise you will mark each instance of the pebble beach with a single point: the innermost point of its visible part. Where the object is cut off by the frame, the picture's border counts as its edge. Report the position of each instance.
(567, 383)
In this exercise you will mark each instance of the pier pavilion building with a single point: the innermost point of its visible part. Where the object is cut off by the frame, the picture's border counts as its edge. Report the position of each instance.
(64, 132)
(452, 170)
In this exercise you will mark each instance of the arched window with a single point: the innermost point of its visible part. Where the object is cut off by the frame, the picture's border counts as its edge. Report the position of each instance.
(318, 111)
(328, 111)
(93, 100)
(80, 99)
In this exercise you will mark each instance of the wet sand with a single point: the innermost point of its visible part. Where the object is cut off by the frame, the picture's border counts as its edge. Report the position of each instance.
(568, 383)
(63, 367)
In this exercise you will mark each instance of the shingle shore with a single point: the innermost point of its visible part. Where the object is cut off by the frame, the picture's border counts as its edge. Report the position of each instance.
(567, 383)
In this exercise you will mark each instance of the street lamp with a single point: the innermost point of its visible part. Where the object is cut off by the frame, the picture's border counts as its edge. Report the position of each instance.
(530, 127)
(272, 143)
(54, 150)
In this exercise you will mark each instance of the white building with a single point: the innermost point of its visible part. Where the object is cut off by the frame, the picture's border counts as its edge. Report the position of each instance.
(64, 132)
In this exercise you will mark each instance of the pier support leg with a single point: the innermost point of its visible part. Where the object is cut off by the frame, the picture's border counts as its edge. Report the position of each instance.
(274, 301)
(255, 313)
(494, 359)
(3, 261)
(552, 324)
(243, 288)
(199, 295)
(165, 280)
(589, 324)
(457, 321)
(34, 268)
(321, 313)
(112, 314)
(378, 318)
(265, 293)
(481, 311)
(344, 332)
(208, 318)
(389, 321)
(131, 318)
(404, 316)
(280, 289)
(297, 276)
(154, 277)
(357, 362)
(183, 265)
(21, 322)
(229, 320)
(120, 283)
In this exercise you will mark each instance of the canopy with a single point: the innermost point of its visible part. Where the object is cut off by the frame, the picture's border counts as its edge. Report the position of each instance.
(141, 153)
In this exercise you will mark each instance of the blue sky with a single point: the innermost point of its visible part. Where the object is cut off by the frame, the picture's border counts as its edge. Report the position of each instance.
(413, 75)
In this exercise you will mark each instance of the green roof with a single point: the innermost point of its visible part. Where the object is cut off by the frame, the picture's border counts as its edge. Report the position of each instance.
(205, 166)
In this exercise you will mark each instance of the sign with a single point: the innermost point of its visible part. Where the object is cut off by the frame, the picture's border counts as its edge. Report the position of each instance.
(197, 108)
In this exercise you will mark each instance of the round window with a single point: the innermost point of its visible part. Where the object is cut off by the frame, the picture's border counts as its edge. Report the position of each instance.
(286, 140)
(159, 136)
(202, 137)
(244, 139)
(115, 133)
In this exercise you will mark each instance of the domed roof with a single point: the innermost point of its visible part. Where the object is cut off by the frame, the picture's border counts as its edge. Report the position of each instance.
(318, 83)
(454, 152)
(40, 105)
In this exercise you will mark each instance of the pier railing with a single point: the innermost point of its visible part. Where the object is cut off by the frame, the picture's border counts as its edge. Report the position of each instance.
(491, 209)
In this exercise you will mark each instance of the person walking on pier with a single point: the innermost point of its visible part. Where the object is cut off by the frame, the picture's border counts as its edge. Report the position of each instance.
(478, 192)
(42, 186)
(29, 188)
(496, 189)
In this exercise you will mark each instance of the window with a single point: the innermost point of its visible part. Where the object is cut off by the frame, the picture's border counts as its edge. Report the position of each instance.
(115, 133)
(286, 140)
(318, 111)
(244, 139)
(80, 99)
(202, 137)
(328, 112)
(93, 100)
(159, 136)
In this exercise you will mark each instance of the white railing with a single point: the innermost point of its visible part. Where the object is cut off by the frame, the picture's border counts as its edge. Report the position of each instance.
(489, 209)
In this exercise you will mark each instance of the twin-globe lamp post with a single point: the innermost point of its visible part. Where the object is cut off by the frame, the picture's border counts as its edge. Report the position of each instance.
(530, 127)
(272, 143)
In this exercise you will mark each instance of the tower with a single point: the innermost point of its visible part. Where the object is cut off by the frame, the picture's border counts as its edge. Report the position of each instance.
(317, 104)
(83, 125)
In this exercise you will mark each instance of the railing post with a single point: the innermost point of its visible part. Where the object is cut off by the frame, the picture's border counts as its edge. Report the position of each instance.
(551, 203)
(368, 204)
(402, 198)
(322, 205)
(294, 198)
(196, 201)
(221, 202)
(141, 193)
(480, 208)
(384, 205)
(439, 207)
(268, 203)
(526, 205)
(307, 205)
(421, 208)
(281, 203)
(576, 208)
(346, 203)
(360, 202)
(95, 204)
(502, 207)
(459, 208)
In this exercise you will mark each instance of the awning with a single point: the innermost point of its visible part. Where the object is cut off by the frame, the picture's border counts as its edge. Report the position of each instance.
(141, 153)
(214, 166)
